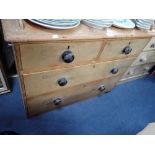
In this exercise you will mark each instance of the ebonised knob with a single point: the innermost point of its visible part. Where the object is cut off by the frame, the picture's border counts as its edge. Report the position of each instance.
(101, 88)
(62, 81)
(57, 101)
(114, 70)
(67, 56)
(127, 50)
(152, 45)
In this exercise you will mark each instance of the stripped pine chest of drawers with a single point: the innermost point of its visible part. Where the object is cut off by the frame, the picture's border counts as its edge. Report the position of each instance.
(60, 67)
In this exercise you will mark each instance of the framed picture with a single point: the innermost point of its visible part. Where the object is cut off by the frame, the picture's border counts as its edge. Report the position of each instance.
(3, 81)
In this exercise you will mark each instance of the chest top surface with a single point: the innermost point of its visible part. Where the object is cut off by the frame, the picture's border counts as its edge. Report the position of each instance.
(15, 31)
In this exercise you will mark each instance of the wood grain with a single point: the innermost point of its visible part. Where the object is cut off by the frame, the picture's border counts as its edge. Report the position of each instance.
(50, 54)
(43, 82)
(34, 33)
(43, 103)
(19, 68)
(113, 49)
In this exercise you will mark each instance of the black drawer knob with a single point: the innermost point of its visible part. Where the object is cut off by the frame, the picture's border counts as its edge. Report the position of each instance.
(152, 45)
(67, 56)
(127, 50)
(62, 82)
(114, 70)
(101, 88)
(57, 101)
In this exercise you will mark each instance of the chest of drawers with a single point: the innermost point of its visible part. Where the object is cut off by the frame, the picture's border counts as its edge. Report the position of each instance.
(59, 67)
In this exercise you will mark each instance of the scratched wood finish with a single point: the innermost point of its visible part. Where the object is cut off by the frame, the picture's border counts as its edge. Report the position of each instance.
(32, 33)
(43, 55)
(43, 82)
(43, 103)
(114, 49)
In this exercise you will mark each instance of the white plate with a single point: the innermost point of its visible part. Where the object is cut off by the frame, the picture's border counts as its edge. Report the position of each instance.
(53, 26)
(124, 23)
(99, 24)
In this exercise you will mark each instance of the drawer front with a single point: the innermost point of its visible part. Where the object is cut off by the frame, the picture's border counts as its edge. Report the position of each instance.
(145, 57)
(150, 45)
(43, 82)
(57, 99)
(123, 48)
(40, 56)
(137, 70)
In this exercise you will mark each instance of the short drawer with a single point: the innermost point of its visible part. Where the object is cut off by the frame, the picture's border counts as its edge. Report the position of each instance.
(145, 57)
(43, 82)
(43, 55)
(58, 99)
(123, 48)
(138, 70)
(150, 45)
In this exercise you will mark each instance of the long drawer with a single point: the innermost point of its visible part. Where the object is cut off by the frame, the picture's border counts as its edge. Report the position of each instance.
(145, 57)
(58, 99)
(43, 55)
(123, 48)
(138, 70)
(43, 82)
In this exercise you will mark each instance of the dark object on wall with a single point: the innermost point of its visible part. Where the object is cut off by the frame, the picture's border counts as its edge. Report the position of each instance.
(6, 51)
(3, 81)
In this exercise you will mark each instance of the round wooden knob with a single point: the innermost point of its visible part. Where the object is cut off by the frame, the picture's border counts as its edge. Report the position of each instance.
(62, 82)
(67, 56)
(127, 50)
(57, 101)
(114, 70)
(101, 88)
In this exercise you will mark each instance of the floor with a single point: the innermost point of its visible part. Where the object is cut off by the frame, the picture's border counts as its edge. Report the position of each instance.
(124, 111)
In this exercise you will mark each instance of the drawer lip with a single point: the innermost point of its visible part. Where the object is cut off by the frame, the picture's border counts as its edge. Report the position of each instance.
(83, 40)
(46, 69)
(77, 66)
